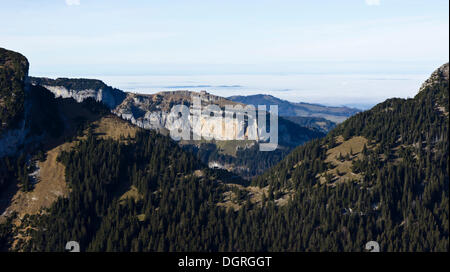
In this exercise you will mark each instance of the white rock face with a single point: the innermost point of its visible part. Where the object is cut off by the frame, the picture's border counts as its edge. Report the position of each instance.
(154, 111)
(217, 128)
(216, 165)
(101, 95)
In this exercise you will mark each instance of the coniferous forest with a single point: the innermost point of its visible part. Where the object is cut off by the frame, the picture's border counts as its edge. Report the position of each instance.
(401, 199)
(382, 175)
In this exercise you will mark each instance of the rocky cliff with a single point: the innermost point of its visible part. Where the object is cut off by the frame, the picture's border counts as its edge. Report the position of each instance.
(13, 78)
(81, 89)
(439, 75)
(13, 75)
(152, 111)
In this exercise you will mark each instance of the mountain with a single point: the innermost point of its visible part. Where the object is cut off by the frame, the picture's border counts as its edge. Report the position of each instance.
(26, 113)
(151, 111)
(323, 114)
(381, 175)
(87, 175)
(13, 71)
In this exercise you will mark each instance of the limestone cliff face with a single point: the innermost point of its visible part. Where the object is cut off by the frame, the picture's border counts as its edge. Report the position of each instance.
(81, 89)
(153, 112)
(145, 111)
(37, 116)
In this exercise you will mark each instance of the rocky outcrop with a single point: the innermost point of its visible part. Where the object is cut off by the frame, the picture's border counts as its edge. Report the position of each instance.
(42, 117)
(11, 140)
(13, 87)
(145, 111)
(439, 75)
(153, 111)
(13, 75)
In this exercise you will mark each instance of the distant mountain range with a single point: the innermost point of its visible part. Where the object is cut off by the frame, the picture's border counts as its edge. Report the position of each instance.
(135, 106)
(150, 111)
(293, 109)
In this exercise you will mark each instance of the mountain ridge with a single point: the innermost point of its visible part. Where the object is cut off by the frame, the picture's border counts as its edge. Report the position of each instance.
(81, 89)
(152, 111)
(301, 109)
(381, 175)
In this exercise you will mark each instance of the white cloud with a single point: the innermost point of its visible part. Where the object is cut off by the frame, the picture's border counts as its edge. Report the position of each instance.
(73, 2)
(373, 2)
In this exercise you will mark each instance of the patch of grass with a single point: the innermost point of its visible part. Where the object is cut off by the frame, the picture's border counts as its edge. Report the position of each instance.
(113, 127)
(132, 193)
(231, 147)
(341, 159)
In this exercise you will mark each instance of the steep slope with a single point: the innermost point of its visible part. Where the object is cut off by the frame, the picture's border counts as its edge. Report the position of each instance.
(31, 119)
(30, 177)
(385, 170)
(390, 128)
(13, 72)
(380, 176)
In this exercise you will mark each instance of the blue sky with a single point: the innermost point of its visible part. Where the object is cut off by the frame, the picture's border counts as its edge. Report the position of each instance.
(77, 37)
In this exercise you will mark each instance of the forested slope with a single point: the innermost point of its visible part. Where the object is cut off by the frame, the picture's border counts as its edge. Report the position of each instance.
(382, 175)
(398, 196)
